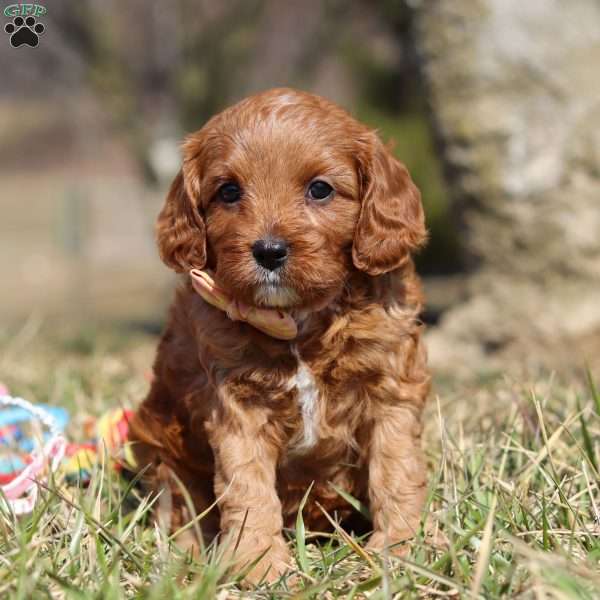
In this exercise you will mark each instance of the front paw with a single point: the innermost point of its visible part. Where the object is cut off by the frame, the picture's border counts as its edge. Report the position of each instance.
(262, 560)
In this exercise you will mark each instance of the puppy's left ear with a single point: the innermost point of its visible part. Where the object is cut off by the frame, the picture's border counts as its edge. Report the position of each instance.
(391, 224)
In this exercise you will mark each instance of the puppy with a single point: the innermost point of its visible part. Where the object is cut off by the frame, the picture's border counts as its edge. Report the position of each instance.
(292, 206)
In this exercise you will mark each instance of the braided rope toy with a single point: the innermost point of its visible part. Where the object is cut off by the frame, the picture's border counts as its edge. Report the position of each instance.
(22, 491)
(33, 460)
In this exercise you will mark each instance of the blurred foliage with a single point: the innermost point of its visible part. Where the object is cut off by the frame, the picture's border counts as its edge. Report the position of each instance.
(183, 63)
(392, 100)
(186, 61)
(214, 62)
(412, 144)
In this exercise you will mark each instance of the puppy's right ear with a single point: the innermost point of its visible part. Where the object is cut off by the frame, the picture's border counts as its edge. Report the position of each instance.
(180, 230)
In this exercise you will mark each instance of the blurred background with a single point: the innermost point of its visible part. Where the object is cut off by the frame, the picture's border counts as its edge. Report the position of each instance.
(92, 118)
(477, 96)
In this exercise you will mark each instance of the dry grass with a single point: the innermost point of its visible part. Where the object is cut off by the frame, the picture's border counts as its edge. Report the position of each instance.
(514, 489)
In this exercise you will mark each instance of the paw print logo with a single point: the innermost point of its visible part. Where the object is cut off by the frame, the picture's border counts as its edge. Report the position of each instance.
(24, 31)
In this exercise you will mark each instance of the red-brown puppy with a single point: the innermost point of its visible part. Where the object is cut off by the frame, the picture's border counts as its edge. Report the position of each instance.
(293, 204)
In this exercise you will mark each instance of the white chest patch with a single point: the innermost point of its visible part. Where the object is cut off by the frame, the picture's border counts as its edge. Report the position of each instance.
(308, 399)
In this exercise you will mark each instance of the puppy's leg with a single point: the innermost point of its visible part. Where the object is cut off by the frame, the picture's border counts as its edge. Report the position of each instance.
(157, 445)
(397, 477)
(246, 454)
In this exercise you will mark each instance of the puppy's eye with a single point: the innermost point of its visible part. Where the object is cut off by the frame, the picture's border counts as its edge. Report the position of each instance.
(319, 190)
(229, 193)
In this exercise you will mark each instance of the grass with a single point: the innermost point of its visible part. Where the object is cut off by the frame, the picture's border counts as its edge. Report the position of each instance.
(514, 489)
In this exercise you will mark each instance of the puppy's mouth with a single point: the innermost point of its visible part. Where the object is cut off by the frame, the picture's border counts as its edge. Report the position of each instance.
(271, 291)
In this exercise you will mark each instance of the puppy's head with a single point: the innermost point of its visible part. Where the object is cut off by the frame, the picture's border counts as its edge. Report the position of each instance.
(282, 195)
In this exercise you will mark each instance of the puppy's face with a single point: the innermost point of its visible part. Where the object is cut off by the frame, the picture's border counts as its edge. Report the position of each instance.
(282, 195)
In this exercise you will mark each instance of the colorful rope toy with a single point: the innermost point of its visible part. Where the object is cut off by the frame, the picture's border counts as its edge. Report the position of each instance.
(33, 446)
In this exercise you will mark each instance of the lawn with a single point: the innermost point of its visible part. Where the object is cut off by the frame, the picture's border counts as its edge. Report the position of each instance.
(513, 470)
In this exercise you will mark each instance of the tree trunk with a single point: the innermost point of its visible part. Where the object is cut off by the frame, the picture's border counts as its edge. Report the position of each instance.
(514, 91)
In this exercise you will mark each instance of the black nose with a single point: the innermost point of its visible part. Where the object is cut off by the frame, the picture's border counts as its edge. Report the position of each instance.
(270, 253)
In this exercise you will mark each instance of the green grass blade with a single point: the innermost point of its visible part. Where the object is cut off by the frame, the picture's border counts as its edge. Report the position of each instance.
(362, 508)
(594, 390)
(587, 440)
(301, 534)
(545, 526)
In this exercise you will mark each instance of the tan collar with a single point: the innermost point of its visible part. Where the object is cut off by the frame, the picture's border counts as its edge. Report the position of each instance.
(273, 322)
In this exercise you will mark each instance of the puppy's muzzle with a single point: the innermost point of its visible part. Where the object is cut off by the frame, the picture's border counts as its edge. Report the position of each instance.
(270, 253)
